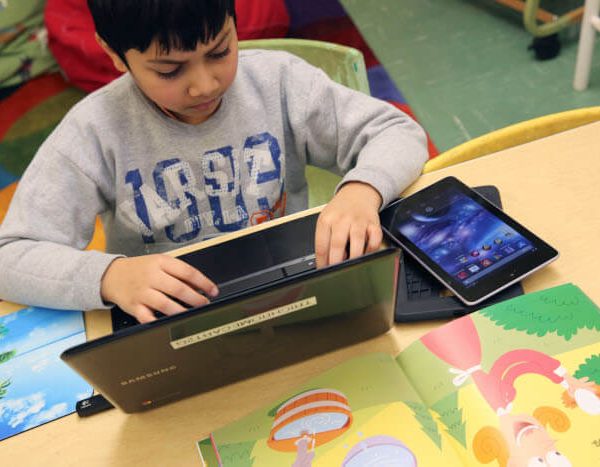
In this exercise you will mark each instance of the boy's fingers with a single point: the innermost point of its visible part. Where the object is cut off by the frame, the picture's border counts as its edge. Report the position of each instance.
(322, 236)
(191, 276)
(375, 237)
(143, 314)
(181, 291)
(339, 240)
(358, 238)
(158, 301)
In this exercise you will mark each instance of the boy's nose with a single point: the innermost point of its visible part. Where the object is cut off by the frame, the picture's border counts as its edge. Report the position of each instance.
(203, 85)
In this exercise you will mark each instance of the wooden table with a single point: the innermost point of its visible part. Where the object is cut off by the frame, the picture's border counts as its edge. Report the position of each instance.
(551, 185)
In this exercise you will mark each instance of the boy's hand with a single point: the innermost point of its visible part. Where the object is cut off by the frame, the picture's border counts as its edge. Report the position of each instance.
(351, 217)
(144, 284)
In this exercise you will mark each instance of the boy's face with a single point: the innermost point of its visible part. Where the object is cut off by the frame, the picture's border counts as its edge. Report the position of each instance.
(190, 84)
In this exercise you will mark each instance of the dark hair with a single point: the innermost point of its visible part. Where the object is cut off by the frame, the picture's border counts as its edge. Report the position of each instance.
(175, 24)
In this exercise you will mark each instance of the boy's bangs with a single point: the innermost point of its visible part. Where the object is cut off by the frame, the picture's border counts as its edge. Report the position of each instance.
(182, 30)
(175, 24)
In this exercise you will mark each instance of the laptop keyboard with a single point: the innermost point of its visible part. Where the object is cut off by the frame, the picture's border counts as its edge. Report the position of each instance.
(266, 276)
(122, 320)
(419, 283)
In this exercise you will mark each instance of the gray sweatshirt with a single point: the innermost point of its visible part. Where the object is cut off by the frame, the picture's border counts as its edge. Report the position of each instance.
(159, 184)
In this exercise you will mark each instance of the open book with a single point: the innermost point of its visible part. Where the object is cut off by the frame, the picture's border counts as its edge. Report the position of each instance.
(515, 384)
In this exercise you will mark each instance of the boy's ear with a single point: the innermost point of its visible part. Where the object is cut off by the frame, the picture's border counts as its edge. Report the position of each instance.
(117, 61)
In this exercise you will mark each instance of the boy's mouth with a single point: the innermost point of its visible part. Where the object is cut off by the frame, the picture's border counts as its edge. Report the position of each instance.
(206, 105)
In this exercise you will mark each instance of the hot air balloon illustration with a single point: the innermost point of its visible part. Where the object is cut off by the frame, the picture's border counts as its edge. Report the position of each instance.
(308, 420)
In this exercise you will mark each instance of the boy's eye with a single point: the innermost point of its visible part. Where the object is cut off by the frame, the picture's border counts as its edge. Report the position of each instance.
(170, 74)
(218, 55)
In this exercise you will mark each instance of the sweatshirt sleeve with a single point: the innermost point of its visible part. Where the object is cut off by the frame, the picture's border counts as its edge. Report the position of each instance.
(50, 221)
(355, 135)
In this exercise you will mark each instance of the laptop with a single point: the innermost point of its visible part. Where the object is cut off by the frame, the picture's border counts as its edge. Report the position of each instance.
(275, 309)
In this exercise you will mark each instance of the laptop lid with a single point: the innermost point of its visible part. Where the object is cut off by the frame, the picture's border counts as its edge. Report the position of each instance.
(263, 329)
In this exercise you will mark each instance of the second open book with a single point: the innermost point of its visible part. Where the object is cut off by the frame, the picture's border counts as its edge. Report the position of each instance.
(516, 384)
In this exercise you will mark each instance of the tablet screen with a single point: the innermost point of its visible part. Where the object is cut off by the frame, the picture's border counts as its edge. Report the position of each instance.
(463, 237)
(467, 242)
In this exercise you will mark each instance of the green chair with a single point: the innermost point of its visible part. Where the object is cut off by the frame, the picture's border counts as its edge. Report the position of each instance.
(345, 65)
(342, 64)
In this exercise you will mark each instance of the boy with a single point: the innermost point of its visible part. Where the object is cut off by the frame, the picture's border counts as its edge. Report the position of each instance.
(188, 145)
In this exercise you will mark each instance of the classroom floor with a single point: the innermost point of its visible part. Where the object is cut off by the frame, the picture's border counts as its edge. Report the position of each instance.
(463, 65)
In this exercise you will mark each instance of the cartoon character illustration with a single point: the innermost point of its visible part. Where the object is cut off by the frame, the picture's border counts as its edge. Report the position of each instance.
(306, 450)
(523, 440)
(461, 348)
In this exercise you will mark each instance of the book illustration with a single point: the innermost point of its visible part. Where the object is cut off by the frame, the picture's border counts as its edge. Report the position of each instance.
(523, 440)
(589, 373)
(308, 420)
(451, 416)
(35, 385)
(516, 384)
(316, 417)
(346, 417)
(459, 345)
(380, 450)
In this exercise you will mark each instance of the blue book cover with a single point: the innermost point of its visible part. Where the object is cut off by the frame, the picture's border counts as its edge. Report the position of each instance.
(36, 387)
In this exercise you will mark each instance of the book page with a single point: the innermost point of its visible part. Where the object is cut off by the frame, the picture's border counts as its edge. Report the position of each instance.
(362, 412)
(518, 382)
(36, 386)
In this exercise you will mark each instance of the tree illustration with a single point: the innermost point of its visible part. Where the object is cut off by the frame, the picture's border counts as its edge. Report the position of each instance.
(590, 368)
(238, 454)
(550, 311)
(428, 424)
(5, 357)
(3, 387)
(451, 416)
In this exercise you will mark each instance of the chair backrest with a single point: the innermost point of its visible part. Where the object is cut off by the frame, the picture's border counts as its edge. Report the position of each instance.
(514, 135)
(344, 65)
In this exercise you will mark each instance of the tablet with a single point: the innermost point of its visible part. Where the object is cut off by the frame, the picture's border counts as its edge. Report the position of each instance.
(466, 242)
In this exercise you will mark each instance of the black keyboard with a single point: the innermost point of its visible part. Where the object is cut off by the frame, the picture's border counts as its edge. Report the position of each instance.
(420, 283)
(267, 276)
(121, 320)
